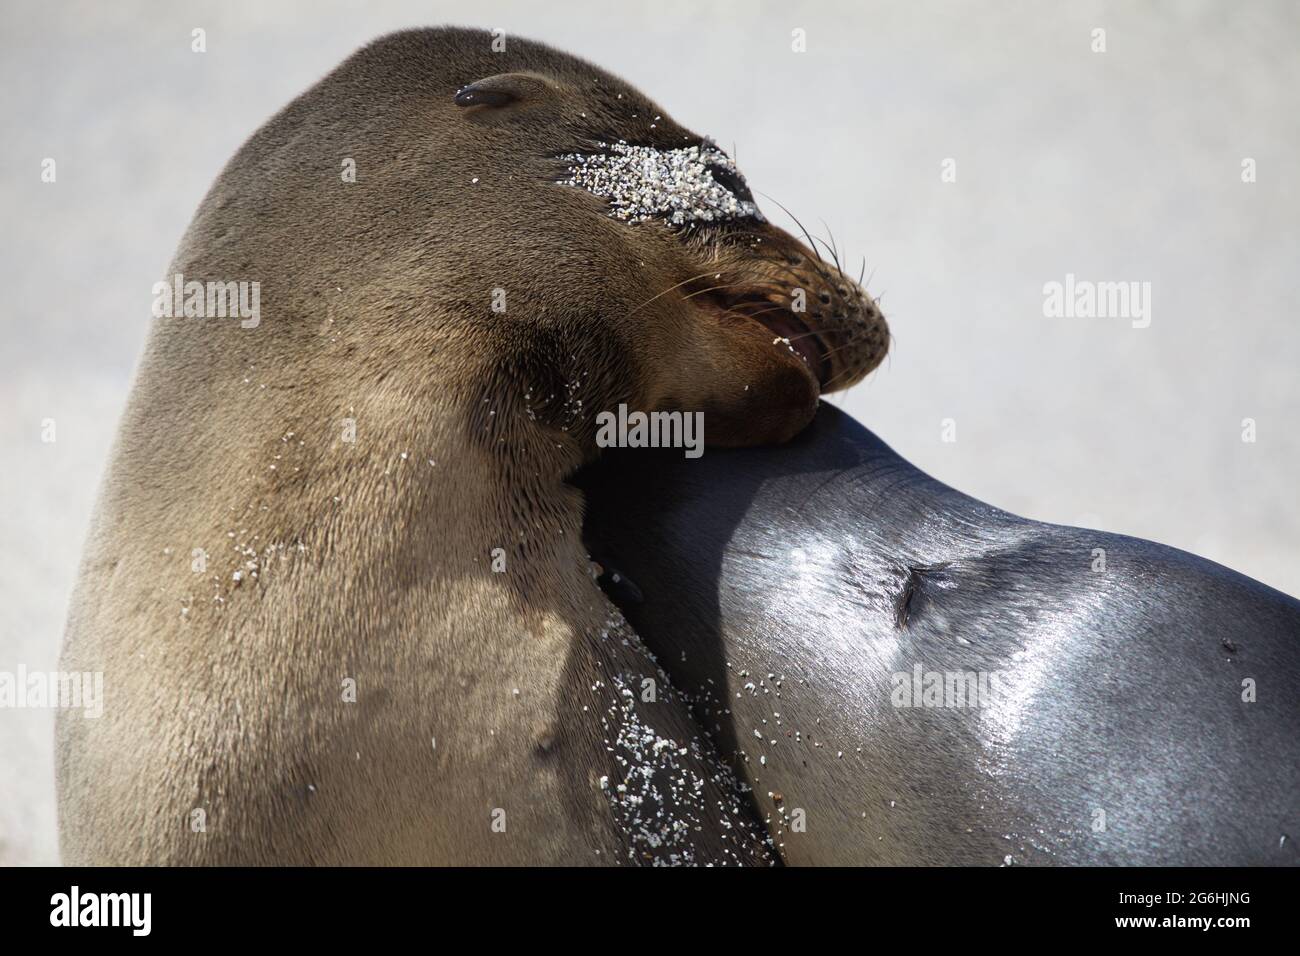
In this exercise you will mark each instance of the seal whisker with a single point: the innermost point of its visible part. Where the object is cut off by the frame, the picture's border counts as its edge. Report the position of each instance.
(835, 252)
(775, 308)
(678, 285)
(831, 251)
(800, 280)
(805, 232)
(714, 288)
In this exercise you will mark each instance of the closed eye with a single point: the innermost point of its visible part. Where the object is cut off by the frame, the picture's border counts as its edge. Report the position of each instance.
(732, 182)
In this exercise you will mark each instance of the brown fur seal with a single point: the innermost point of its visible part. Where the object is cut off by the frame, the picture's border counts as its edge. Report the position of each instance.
(336, 581)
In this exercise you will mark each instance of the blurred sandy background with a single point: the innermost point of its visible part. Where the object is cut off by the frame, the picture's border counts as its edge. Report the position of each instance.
(1117, 166)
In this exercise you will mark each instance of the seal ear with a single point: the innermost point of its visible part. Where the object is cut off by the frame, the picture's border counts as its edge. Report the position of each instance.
(502, 90)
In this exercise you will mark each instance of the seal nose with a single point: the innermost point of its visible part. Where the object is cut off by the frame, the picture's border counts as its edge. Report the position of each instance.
(808, 304)
(835, 308)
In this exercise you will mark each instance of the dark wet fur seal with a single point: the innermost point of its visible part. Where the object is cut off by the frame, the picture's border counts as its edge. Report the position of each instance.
(797, 580)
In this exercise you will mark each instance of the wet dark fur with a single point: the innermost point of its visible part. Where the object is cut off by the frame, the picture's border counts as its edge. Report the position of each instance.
(1136, 710)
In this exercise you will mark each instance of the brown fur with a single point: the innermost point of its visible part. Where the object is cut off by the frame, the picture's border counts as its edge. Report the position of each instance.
(373, 559)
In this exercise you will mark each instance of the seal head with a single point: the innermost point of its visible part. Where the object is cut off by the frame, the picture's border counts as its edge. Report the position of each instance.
(603, 253)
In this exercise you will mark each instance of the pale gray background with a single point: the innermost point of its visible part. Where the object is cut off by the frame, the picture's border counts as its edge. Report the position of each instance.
(1116, 166)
